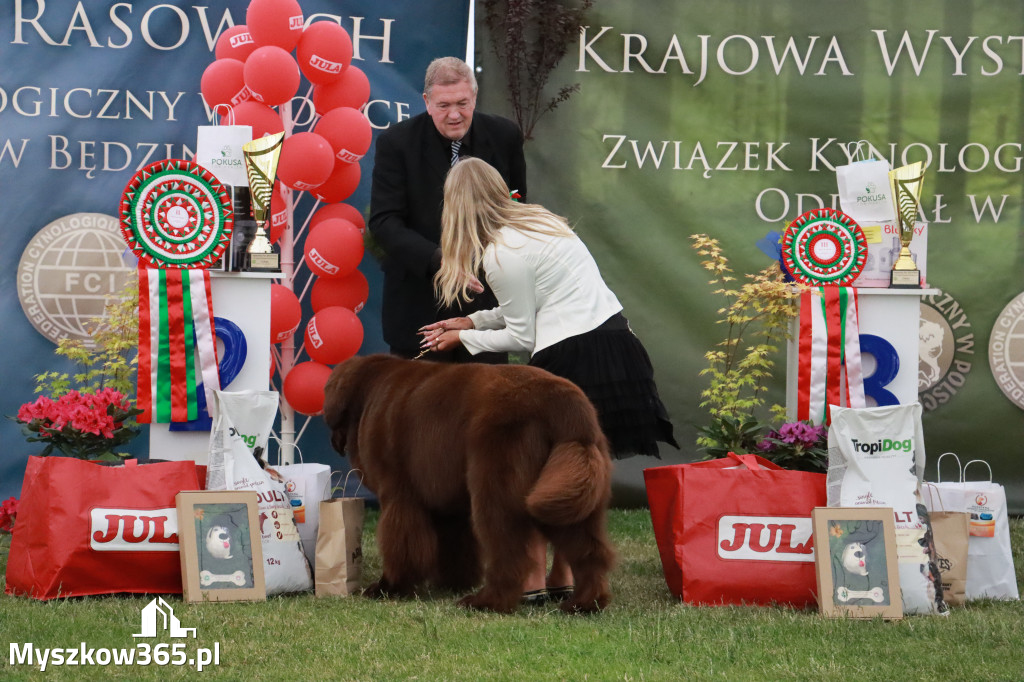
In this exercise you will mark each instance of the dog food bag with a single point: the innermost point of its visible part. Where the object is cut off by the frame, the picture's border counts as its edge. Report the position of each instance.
(233, 466)
(252, 415)
(876, 459)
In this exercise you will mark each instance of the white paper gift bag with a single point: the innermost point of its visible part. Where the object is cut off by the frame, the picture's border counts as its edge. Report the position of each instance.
(990, 572)
(307, 484)
(864, 192)
(219, 150)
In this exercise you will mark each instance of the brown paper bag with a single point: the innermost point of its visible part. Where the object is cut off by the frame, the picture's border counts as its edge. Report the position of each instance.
(339, 546)
(951, 531)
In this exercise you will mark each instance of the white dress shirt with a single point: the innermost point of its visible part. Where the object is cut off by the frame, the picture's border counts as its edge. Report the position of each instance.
(548, 289)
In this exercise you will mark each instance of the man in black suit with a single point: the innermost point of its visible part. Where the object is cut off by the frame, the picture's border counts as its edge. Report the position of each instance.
(410, 166)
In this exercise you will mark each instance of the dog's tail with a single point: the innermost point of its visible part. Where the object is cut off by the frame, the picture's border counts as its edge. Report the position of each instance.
(574, 482)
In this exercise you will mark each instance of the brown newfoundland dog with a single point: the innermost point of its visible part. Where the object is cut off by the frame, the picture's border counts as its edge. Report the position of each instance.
(468, 462)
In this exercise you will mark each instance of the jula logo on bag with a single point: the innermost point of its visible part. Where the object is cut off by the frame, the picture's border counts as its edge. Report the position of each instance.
(765, 538)
(133, 530)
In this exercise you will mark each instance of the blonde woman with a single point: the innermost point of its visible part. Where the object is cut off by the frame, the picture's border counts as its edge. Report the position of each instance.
(552, 303)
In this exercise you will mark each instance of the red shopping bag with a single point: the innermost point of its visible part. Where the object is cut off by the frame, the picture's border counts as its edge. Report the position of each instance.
(735, 530)
(84, 528)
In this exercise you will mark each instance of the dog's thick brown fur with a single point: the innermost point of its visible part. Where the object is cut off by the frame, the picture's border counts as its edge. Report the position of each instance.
(468, 462)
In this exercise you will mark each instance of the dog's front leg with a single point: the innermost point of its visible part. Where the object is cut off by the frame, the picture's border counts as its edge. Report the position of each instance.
(408, 549)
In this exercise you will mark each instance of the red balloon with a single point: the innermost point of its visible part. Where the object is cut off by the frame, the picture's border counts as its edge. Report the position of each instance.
(340, 185)
(306, 161)
(334, 249)
(351, 90)
(324, 52)
(333, 335)
(350, 291)
(223, 83)
(272, 75)
(346, 211)
(303, 387)
(278, 214)
(348, 132)
(235, 43)
(275, 22)
(285, 313)
(262, 119)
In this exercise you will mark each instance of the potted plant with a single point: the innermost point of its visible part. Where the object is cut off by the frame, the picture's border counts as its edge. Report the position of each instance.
(88, 414)
(87, 425)
(757, 314)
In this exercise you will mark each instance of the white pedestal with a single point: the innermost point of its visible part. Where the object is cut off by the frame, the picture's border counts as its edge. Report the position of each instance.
(244, 299)
(894, 316)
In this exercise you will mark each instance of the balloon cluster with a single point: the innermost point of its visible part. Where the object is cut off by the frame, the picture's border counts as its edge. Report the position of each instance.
(259, 66)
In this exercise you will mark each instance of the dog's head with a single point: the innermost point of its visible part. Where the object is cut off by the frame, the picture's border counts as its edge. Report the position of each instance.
(345, 395)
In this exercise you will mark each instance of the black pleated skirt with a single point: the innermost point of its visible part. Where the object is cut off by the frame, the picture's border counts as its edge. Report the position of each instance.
(612, 367)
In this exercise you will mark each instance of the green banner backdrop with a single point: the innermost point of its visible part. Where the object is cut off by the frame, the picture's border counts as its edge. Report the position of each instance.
(730, 118)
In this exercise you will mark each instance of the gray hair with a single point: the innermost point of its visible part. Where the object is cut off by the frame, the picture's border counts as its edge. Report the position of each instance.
(448, 71)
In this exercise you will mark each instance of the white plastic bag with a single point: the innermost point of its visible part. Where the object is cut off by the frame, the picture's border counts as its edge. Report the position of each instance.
(876, 459)
(233, 466)
(990, 572)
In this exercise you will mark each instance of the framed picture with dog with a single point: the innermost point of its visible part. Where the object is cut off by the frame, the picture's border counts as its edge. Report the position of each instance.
(856, 562)
(221, 554)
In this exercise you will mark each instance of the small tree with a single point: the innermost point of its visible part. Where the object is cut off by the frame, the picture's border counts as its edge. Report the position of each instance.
(757, 316)
(529, 38)
(110, 358)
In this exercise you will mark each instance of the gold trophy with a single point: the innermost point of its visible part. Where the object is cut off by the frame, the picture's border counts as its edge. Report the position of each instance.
(261, 157)
(906, 183)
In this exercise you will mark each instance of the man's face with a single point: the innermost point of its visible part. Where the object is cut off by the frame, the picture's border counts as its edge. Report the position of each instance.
(451, 108)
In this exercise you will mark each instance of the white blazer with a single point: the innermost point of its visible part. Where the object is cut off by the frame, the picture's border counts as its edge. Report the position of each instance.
(548, 288)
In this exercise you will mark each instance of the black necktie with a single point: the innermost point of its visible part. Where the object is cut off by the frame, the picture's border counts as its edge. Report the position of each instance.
(455, 150)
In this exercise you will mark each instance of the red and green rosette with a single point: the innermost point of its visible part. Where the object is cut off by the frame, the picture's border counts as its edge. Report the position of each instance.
(824, 247)
(176, 214)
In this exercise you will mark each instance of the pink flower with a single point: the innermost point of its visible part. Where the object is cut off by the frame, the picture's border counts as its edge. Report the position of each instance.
(84, 425)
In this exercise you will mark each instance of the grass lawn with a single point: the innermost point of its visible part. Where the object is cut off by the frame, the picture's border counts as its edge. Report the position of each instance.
(644, 635)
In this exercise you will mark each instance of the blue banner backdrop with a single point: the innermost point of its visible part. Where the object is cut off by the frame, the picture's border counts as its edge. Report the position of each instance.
(93, 91)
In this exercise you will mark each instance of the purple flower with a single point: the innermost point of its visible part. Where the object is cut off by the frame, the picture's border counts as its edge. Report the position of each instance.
(800, 433)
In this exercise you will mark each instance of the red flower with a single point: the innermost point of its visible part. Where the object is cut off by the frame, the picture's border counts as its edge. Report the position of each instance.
(8, 512)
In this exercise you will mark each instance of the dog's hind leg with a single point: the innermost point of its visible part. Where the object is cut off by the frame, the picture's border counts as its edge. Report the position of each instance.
(504, 534)
(408, 549)
(590, 555)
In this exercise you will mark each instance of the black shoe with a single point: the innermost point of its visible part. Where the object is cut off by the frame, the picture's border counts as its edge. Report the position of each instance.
(557, 594)
(534, 597)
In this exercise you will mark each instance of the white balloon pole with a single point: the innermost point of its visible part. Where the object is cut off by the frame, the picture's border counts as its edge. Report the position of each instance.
(287, 243)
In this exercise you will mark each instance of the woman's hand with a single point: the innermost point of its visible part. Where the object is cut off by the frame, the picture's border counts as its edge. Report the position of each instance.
(444, 335)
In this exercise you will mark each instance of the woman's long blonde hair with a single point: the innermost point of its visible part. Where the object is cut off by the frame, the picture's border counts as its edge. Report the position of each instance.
(476, 205)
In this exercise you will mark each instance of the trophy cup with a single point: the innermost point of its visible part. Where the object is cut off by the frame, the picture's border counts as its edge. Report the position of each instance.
(906, 183)
(261, 157)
